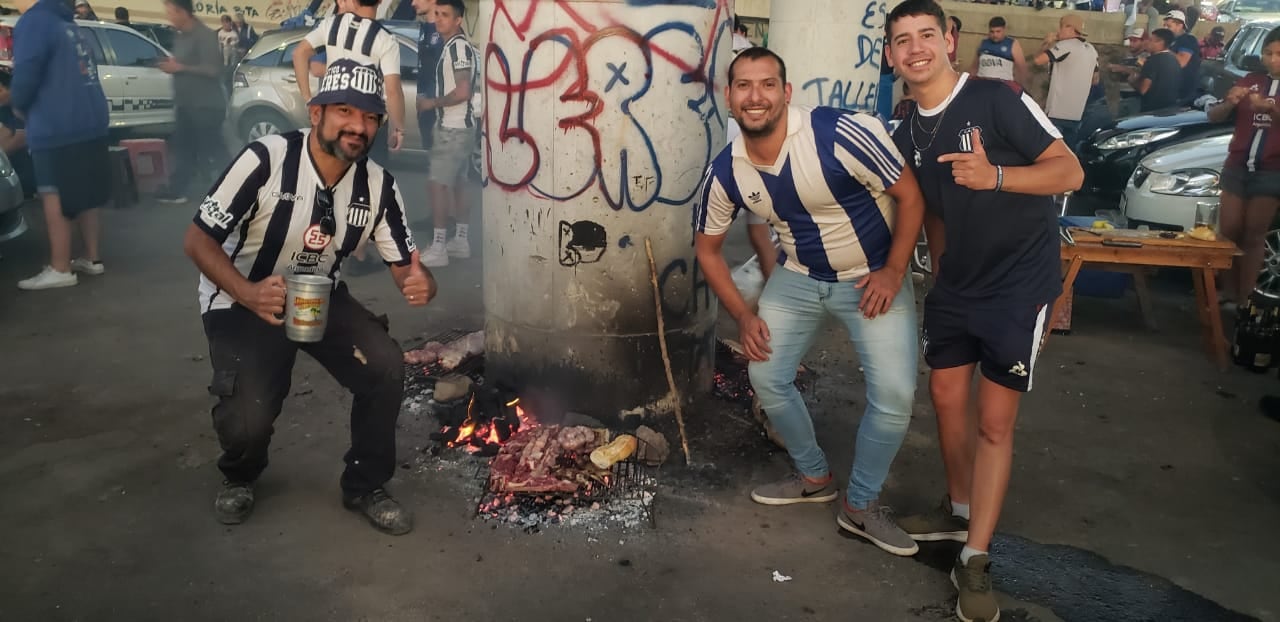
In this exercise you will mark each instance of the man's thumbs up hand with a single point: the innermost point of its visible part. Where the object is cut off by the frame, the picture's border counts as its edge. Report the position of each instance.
(972, 169)
(419, 287)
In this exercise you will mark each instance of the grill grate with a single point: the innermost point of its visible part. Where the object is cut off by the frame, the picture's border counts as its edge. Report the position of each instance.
(424, 375)
(630, 480)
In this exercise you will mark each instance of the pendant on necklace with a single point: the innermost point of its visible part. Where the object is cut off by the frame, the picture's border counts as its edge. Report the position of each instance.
(917, 158)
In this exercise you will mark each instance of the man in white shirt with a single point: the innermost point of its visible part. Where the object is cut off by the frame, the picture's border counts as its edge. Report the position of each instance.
(354, 32)
(1072, 72)
(454, 136)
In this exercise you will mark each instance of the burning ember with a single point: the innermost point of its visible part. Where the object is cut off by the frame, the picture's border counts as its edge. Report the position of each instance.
(486, 423)
(485, 437)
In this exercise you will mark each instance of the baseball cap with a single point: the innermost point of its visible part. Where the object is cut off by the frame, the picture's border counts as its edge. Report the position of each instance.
(1137, 33)
(1075, 22)
(354, 84)
(1178, 15)
(82, 3)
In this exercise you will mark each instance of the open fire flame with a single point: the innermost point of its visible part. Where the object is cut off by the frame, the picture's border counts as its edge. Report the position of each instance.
(475, 435)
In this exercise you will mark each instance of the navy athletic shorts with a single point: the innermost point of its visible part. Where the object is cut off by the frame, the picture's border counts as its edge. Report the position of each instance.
(1003, 341)
(80, 174)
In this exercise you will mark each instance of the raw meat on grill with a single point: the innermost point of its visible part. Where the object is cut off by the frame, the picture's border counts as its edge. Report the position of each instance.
(453, 354)
(545, 459)
(428, 353)
(578, 439)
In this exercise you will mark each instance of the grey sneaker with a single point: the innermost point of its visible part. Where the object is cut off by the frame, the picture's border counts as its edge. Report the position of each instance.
(876, 524)
(937, 524)
(795, 489)
(234, 503)
(975, 603)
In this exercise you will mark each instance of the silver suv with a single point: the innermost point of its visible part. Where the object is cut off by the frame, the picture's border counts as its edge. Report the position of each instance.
(265, 97)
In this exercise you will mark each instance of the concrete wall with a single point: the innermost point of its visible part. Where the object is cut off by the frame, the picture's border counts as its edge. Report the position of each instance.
(833, 49)
(600, 118)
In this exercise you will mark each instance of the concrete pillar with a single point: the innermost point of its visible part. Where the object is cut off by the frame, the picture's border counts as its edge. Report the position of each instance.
(832, 49)
(600, 118)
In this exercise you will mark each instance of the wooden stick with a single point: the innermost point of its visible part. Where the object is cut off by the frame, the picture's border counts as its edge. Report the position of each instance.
(662, 343)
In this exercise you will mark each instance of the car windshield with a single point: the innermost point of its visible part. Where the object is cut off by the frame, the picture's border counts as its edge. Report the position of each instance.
(1257, 6)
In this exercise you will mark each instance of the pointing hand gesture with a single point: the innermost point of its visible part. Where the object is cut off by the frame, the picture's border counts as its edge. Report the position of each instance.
(419, 287)
(972, 170)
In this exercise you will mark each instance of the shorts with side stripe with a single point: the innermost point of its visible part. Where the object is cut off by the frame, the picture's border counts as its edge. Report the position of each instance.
(1003, 341)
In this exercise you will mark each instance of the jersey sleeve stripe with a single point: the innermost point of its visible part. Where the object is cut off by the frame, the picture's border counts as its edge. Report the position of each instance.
(1040, 116)
(370, 37)
(395, 219)
(869, 152)
(335, 26)
(248, 172)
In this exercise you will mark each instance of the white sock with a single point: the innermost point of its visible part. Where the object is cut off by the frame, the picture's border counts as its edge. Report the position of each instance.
(960, 509)
(442, 236)
(967, 553)
(461, 232)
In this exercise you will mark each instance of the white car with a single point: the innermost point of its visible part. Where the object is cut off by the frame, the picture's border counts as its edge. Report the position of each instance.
(141, 96)
(1163, 191)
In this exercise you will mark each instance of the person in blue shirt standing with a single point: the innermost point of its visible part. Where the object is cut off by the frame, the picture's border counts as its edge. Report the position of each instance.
(55, 88)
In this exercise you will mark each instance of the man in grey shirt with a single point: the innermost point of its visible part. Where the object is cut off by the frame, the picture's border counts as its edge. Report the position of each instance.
(198, 99)
(1073, 64)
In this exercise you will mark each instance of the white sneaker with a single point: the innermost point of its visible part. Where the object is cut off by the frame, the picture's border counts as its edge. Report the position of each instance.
(49, 279)
(436, 256)
(459, 247)
(84, 266)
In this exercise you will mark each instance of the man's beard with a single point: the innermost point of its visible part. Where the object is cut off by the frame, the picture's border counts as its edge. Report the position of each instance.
(335, 149)
(760, 132)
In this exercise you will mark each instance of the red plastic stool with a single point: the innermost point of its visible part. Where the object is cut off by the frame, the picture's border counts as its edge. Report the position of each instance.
(150, 161)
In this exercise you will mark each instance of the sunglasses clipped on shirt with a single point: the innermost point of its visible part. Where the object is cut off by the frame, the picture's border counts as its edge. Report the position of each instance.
(324, 199)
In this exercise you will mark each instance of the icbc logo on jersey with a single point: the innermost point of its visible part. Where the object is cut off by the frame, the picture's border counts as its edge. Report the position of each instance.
(315, 239)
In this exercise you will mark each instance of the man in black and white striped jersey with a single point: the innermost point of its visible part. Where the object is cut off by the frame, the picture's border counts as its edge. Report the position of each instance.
(353, 32)
(300, 203)
(455, 135)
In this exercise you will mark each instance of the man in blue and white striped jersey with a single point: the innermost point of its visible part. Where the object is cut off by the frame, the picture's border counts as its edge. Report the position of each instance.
(832, 184)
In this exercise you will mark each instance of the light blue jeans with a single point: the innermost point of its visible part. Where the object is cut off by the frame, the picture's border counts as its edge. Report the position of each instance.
(794, 306)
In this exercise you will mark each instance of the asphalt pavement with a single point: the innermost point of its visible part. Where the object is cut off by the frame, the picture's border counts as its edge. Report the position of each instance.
(1145, 482)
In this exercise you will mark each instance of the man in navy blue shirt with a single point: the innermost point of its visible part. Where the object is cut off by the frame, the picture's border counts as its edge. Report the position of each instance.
(988, 161)
(55, 88)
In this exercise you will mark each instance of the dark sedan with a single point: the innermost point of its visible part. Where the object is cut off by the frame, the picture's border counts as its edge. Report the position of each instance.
(1110, 156)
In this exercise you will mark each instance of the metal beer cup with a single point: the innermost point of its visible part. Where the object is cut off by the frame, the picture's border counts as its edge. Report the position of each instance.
(306, 307)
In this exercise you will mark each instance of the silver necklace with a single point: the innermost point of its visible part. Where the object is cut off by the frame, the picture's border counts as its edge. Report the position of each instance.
(933, 134)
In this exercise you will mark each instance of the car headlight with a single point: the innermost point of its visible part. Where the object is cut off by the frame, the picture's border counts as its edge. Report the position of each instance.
(1194, 182)
(1136, 138)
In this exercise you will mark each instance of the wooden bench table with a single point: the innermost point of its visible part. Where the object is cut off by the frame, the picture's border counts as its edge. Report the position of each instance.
(1204, 258)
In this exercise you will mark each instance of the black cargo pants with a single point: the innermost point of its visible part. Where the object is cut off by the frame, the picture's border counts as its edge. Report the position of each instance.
(252, 366)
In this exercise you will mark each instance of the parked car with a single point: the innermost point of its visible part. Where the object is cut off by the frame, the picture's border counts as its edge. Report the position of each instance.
(160, 33)
(1240, 57)
(1248, 10)
(1164, 190)
(140, 95)
(264, 93)
(12, 224)
(1111, 154)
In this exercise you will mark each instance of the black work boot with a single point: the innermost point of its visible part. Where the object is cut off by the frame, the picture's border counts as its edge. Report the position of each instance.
(384, 513)
(234, 502)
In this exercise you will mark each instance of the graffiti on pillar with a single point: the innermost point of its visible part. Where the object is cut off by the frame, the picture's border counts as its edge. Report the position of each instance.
(853, 94)
(682, 291)
(580, 105)
(581, 242)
